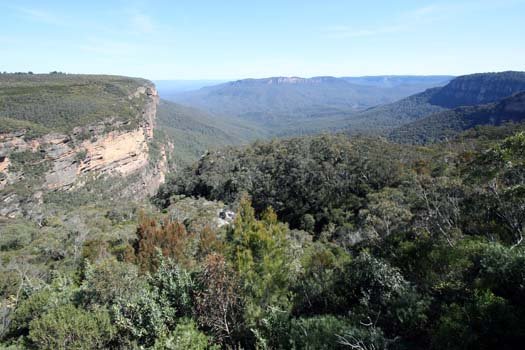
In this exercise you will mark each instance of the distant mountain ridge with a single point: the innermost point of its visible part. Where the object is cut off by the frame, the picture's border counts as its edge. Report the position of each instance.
(286, 106)
(276, 102)
(373, 80)
(290, 80)
(399, 80)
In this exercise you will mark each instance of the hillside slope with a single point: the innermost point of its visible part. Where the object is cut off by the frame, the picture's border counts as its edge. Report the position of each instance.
(193, 131)
(447, 124)
(383, 118)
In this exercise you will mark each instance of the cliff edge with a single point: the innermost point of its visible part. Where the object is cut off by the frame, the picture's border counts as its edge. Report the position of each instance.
(111, 140)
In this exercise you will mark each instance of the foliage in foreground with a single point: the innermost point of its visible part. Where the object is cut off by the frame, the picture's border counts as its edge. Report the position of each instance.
(439, 263)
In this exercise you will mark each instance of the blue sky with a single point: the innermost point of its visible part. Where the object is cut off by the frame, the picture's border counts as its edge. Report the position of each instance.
(230, 39)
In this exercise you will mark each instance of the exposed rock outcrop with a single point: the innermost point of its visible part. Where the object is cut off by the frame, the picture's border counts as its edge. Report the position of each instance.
(482, 88)
(109, 148)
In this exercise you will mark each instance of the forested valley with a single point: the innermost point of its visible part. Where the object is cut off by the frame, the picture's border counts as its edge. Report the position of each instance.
(166, 227)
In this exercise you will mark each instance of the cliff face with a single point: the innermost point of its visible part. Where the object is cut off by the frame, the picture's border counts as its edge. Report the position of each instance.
(480, 88)
(62, 162)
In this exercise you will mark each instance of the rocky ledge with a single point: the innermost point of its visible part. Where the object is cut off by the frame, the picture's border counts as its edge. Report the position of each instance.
(92, 150)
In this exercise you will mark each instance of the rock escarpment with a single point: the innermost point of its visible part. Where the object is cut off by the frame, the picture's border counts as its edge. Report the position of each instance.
(113, 148)
(482, 88)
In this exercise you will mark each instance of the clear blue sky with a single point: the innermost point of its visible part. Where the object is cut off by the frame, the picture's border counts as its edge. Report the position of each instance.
(229, 39)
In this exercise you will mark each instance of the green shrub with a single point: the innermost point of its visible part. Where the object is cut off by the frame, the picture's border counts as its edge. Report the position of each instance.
(61, 291)
(186, 336)
(314, 290)
(68, 327)
(174, 287)
(141, 318)
(151, 313)
(28, 310)
(484, 322)
(108, 281)
(17, 235)
(317, 332)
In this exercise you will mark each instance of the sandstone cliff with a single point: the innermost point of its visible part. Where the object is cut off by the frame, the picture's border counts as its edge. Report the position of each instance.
(110, 149)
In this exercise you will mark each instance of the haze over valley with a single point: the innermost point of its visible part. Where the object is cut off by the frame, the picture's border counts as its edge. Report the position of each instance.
(292, 105)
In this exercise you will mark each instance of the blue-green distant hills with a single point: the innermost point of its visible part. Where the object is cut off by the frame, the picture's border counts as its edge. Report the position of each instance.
(293, 105)
(283, 106)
